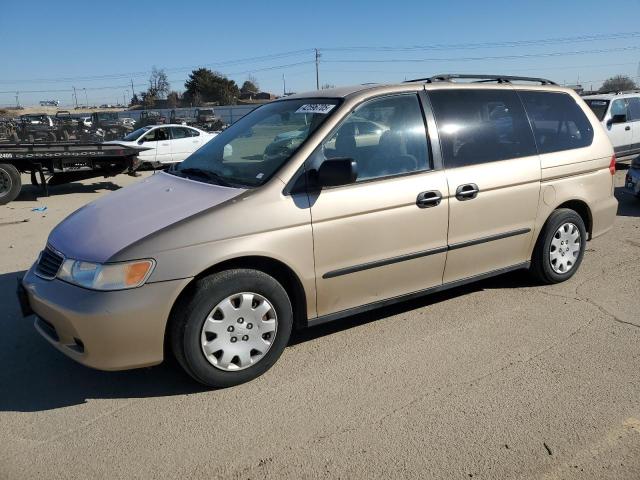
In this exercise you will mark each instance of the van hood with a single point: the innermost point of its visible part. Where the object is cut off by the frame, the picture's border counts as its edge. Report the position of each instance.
(100, 229)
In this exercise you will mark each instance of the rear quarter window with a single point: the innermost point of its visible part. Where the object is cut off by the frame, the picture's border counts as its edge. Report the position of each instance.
(558, 122)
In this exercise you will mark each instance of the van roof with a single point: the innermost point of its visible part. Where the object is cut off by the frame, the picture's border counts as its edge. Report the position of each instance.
(612, 95)
(481, 81)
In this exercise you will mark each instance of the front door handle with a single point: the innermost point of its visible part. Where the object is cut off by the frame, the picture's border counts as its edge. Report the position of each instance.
(627, 128)
(431, 198)
(467, 191)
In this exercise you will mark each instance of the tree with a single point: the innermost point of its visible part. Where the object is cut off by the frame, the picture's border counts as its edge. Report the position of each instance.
(148, 99)
(134, 100)
(250, 86)
(618, 83)
(211, 87)
(173, 99)
(159, 83)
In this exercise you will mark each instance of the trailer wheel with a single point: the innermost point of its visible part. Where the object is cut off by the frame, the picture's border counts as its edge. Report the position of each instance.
(10, 183)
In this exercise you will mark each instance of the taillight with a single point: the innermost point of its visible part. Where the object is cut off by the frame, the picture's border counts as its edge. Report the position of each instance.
(612, 165)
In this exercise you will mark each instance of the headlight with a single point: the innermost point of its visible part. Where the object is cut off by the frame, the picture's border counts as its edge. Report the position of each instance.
(110, 276)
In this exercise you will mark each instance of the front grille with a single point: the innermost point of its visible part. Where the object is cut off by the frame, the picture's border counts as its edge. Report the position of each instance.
(49, 263)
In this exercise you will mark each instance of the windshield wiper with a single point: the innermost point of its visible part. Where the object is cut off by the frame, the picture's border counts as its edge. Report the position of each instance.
(206, 174)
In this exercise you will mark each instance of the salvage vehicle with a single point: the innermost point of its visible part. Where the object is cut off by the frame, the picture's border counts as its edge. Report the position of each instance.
(166, 144)
(619, 113)
(109, 126)
(220, 257)
(632, 178)
(61, 163)
(8, 131)
(36, 127)
(150, 117)
(66, 125)
(182, 117)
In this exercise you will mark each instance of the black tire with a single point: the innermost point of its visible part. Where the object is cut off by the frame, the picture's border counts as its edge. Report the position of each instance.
(10, 183)
(190, 313)
(541, 267)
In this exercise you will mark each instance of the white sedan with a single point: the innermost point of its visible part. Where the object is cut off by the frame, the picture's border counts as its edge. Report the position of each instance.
(167, 143)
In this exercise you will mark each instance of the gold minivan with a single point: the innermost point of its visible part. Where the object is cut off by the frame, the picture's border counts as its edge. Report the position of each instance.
(318, 206)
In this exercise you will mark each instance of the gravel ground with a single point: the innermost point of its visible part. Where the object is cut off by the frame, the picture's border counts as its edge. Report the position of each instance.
(501, 379)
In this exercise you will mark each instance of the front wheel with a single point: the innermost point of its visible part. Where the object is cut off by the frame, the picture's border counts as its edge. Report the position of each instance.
(560, 247)
(232, 327)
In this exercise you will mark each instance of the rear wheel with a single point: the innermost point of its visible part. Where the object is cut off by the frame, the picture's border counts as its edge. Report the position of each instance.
(10, 183)
(560, 247)
(232, 327)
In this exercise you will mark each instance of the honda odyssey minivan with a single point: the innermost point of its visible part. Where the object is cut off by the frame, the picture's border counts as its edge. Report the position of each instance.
(216, 260)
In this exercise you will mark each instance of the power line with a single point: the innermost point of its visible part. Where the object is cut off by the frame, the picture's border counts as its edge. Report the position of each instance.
(492, 57)
(501, 44)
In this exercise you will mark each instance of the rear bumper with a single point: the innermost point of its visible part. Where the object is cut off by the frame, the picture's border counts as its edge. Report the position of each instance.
(103, 330)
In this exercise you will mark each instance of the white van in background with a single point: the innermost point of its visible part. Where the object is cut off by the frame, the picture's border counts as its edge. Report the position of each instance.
(619, 114)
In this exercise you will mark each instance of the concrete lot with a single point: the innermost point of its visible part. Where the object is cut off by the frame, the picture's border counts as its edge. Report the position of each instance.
(502, 379)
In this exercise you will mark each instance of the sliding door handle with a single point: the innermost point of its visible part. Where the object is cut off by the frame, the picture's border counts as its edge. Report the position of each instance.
(467, 191)
(431, 198)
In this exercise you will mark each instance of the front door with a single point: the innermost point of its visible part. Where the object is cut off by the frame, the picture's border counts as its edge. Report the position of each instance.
(385, 235)
(493, 173)
(620, 134)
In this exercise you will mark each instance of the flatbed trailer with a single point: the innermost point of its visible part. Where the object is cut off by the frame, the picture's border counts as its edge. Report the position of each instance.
(58, 163)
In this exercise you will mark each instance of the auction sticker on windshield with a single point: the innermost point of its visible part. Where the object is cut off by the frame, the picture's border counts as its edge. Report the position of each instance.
(322, 108)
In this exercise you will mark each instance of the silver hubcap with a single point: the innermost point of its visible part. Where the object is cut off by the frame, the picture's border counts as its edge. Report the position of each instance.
(239, 331)
(5, 182)
(565, 248)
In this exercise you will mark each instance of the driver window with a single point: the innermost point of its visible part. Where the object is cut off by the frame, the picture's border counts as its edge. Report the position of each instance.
(619, 107)
(385, 136)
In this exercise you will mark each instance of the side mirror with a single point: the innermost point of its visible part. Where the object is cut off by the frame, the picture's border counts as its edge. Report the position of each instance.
(141, 141)
(334, 172)
(618, 118)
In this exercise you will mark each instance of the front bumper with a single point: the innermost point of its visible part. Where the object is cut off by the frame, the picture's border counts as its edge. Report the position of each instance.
(115, 330)
(632, 180)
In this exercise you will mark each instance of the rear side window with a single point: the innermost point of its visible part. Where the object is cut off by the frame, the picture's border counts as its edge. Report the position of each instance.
(557, 120)
(479, 126)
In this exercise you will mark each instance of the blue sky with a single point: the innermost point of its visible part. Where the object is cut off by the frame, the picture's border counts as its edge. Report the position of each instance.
(100, 46)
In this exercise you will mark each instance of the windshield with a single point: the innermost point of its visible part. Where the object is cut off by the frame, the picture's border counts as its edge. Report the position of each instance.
(599, 107)
(251, 150)
(136, 134)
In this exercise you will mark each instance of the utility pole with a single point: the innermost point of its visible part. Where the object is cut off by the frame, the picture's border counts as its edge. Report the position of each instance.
(17, 99)
(284, 86)
(317, 66)
(86, 99)
(75, 96)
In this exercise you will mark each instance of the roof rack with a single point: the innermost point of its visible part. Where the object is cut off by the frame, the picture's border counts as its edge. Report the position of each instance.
(448, 77)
